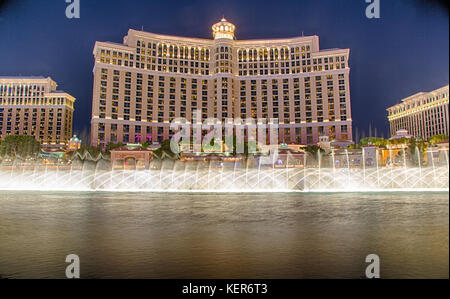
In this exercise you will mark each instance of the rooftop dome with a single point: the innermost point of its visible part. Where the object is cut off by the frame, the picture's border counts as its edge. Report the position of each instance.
(223, 29)
(75, 139)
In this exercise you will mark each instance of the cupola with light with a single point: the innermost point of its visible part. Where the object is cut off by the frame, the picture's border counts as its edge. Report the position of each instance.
(223, 30)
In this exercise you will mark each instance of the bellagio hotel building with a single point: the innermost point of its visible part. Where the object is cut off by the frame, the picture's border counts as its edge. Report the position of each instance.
(140, 86)
(424, 114)
(33, 106)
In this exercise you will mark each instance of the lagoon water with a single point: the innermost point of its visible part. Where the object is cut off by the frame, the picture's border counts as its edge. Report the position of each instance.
(202, 235)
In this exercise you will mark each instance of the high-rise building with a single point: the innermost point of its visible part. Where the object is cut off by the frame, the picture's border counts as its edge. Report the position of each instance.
(33, 106)
(424, 114)
(140, 86)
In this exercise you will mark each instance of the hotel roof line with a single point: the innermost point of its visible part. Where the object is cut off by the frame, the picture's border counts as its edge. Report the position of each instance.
(416, 95)
(209, 42)
(26, 79)
(421, 93)
(128, 48)
(206, 40)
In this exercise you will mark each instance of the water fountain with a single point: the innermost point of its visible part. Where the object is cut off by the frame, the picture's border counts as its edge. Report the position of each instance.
(320, 173)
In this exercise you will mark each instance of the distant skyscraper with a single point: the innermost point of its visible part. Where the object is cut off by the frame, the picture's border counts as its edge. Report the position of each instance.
(424, 114)
(140, 86)
(33, 106)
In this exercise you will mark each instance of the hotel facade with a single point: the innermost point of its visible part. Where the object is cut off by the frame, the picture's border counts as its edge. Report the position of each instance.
(424, 114)
(142, 85)
(33, 106)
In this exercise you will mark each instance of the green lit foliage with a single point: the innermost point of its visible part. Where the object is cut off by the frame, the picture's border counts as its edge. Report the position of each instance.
(19, 146)
(164, 151)
(313, 149)
(376, 141)
(438, 138)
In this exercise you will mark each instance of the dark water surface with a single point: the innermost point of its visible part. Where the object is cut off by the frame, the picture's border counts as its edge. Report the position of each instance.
(142, 235)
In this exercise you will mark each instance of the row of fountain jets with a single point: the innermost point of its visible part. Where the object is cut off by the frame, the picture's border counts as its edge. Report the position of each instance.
(314, 174)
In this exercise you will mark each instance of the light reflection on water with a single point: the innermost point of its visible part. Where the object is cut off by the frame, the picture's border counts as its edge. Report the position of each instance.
(144, 235)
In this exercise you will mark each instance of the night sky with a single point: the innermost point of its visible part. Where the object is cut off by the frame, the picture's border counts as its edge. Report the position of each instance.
(404, 52)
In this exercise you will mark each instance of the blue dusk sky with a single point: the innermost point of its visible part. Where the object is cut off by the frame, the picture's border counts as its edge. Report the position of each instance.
(403, 52)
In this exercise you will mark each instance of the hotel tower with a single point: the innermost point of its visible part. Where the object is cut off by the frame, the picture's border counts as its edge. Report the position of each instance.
(33, 106)
(140, 86)
(424, 114)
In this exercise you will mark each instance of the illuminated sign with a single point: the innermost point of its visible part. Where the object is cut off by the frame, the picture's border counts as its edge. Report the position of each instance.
(223, 35)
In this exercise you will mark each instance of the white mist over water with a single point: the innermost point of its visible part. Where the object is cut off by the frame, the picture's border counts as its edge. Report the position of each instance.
(218, 177)
(320, 174)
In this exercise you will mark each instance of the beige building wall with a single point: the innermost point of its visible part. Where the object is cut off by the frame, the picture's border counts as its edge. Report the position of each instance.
(424, 114)
(140, 86)
(32, 106)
